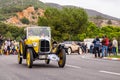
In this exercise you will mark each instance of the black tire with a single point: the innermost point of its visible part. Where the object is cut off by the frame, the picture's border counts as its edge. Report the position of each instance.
(62, 56)
(69, 51)
(47, 61)
(29, 58)
(19, 59)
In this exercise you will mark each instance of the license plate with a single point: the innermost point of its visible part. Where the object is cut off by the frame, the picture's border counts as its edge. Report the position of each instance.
(53, 57)
(42, 56)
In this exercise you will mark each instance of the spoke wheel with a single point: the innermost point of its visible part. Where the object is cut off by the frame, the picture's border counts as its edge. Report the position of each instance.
(29, 59)
(62, 56)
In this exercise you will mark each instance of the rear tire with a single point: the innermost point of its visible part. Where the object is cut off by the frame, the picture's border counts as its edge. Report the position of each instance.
(29, 58)
(69, 51)
(19, 59)
(62, 56)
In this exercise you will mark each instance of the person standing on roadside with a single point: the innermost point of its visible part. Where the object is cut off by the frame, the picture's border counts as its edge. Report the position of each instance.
(110, 47)
(8, 43)
(105, 43)
(91, 48)
(96, 49)
(114, 46)
(1, 41)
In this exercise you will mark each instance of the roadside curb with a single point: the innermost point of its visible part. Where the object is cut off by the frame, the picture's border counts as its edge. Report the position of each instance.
(108, 58)
(104, 58)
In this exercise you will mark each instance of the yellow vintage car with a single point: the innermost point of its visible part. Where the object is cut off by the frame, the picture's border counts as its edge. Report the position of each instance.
(38, 46)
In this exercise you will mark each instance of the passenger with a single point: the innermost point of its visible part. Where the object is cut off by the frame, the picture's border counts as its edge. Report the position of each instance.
(42, 35)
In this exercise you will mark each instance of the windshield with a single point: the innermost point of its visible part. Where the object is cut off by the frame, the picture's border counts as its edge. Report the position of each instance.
(38, 31)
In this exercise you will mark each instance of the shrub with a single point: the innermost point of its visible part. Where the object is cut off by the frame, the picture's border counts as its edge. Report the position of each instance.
(25, 21)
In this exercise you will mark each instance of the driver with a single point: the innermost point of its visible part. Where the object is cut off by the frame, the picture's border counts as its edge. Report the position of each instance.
(42, 35)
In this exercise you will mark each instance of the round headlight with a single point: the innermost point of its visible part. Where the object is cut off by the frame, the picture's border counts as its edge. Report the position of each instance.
(34, 44)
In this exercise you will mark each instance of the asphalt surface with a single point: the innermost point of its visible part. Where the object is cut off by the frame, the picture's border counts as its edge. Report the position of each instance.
(78, 67)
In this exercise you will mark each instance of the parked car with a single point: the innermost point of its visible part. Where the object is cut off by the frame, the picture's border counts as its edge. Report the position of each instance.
(72, 47)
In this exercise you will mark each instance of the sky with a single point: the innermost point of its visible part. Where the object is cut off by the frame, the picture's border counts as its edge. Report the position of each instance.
(109, 7)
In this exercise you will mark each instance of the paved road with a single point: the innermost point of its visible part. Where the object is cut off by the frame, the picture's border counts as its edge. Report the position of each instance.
(78, 67)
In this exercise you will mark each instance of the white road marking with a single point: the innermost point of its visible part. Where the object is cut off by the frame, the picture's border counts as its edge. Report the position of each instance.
(110, 72)
(73, 66)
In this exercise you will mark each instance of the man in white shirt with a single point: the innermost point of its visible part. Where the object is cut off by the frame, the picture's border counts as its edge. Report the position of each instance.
(114, 46)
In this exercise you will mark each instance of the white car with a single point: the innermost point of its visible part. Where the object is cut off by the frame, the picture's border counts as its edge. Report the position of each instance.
(72, 47)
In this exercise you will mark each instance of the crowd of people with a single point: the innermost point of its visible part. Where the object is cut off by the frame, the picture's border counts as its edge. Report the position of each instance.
(105, 47)
(8, 46)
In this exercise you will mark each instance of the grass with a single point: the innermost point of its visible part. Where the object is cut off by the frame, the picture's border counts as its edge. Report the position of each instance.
(114, 56)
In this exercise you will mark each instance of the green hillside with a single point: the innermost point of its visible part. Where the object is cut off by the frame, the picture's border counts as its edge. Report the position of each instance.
(10, 7)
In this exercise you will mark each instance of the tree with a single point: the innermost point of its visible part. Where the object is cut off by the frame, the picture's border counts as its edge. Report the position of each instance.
(82, 36)
(11, 31)
(67, 22)
(3, 28)
(92, 30)
(18, 38)
(43, 21)
(9, 35)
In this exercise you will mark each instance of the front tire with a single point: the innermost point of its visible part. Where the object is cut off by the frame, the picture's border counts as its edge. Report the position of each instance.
(29, 58)
(62, 56)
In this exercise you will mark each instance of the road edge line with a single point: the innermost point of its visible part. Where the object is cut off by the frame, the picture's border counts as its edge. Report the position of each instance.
(108, 72)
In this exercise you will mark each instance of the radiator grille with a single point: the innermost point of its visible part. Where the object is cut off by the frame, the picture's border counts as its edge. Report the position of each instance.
(44, 46)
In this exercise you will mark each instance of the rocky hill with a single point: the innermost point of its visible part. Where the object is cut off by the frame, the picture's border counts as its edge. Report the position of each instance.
(8, 8)
(29, 14)
(90, 12)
